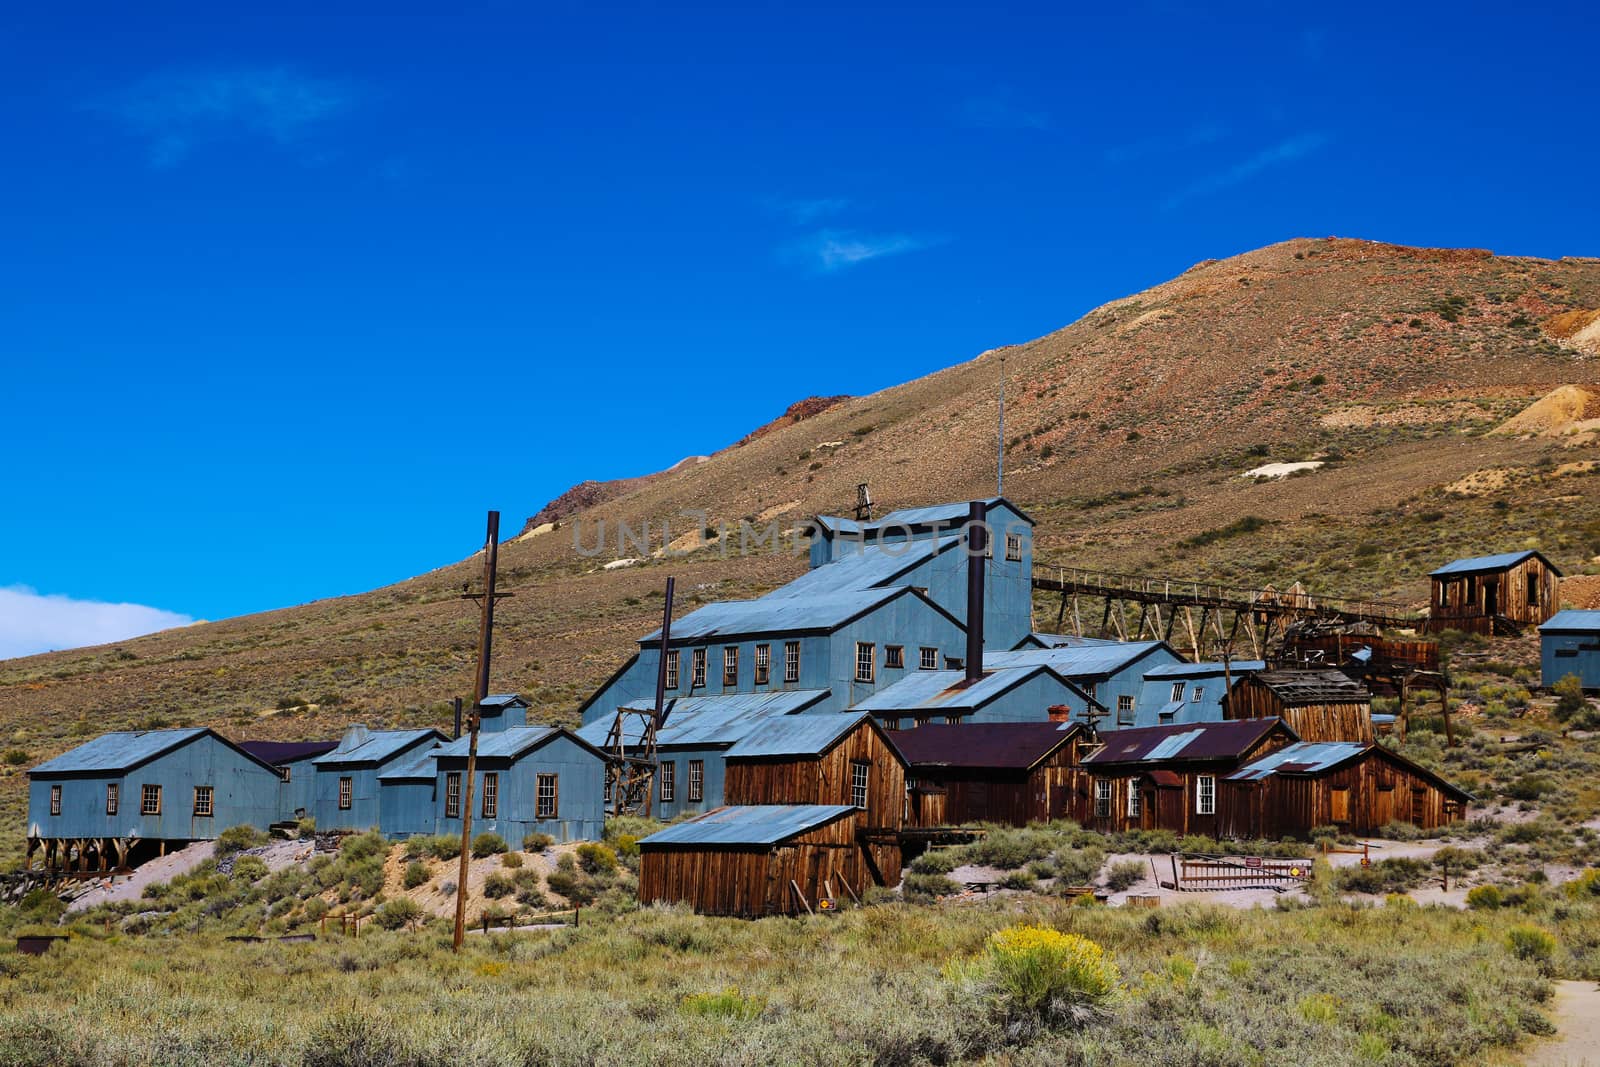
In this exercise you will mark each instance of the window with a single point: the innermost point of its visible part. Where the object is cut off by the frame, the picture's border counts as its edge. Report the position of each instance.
(1167, 717)
(1133, 800)
(1205, 794)
(859, 772)
(791, 661)
(891, 724)
(1124, 710)
(1102, 798)
(55, 800)
(1013, 547)
(546, 796)
(1195, 694)
(113, 795)
(1091, 690)
(672, 669)
(452, 794)
(697, 780)
(202, 800)
(930, 659)
(150, 800)
(491, 795)
(1533, 590)
(894, 657)
(286, 775)
(763, 664)
(730, 666)
(1177, 691)
(1339, 802)
(698, 678)
(669, 780)
(345, 792)
(866, 660)
(952, 720)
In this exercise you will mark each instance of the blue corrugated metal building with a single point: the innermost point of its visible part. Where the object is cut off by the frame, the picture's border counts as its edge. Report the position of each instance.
(1112, 674)
(1188, 692)
(129, 787)
(293, 759)
(528, 779)
(346, 794)
(409, 797)
(1569, 643)
(1022, 693)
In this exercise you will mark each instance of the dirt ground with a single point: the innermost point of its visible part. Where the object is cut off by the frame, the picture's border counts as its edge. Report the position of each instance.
(277, 855)
(1577, 1018)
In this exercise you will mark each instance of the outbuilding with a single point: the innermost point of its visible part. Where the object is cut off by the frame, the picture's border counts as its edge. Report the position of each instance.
(1497, 594)
(1569, 643)
(528, 779)
(1011, 773)
(1319, 705)
(346, 794)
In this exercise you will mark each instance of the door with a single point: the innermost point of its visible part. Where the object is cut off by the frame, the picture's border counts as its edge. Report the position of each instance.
(1491, 597)
(1384, 813)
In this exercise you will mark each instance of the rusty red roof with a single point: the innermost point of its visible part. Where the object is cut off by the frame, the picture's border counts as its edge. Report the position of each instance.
(1183, 742)
(987, 746)
(278, 753)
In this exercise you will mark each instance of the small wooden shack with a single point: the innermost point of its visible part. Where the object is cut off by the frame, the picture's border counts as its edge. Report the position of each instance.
(755, 860)
(1319, 705)
(1360, 788)
(1166, 777)
(827, 759)
(1493, 594)
(1011, 773)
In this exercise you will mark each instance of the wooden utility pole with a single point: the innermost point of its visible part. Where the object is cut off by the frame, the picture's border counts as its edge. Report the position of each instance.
(486, 599)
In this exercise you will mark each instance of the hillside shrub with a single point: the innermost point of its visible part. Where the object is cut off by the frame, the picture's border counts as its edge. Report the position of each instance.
(443, 846)
(511, 860)
(399, 912)
(925, 887)
(1124, 874)
(935, 861)
(727, 1004)
(1484, 897)
(358, 847)
(237, 839)
(488, 844)
(537, 842)
(1008, 848)
(1569, 697)
(596, 858)
(416, 874)
(249, 869)
(1528, 942)
(498, 885)
(1078, 866)
(1042, 977)
(1386, 876)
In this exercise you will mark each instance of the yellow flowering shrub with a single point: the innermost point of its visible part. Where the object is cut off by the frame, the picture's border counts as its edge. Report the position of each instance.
(1039, 969)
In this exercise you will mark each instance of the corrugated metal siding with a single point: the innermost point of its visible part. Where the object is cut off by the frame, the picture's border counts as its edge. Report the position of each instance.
(580, 783)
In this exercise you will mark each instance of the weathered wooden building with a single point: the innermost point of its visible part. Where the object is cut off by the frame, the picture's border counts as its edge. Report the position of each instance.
(1569, 643)
(1497, 594)
(117, 800)
(750, 861)
(346, 794)
(1360, 788)
(1011, 773)
(827, 760)
(1166, 777)
(293, 759)
(1319, 705)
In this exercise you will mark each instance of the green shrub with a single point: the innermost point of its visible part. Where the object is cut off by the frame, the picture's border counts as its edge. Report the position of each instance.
(498, 885)
(511, 860)
(1530, 943)
(1484, 897)
(249, 869)
(567, 882)
(16, 757)
(728, 1004)
(1386, 876)
(1586, 884)
(1569, 697)
(1043, 976)
(444, 846)
(1124, 874)
(1008, 848)
(537, 842)
(237, 839)
(935, 861)
(363, 846)
(488, 844)
(1023, 880)
(401, 911)
(595, 858)
(416, 874)
(305, 827)
(1078, 866)
(928, 886)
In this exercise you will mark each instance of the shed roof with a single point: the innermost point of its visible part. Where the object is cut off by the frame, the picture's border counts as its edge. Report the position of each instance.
(870, 565)
(507, 744)
(421, 769)
(500, 700)
(986, 746)
(948, 691)
(1498, 562)
(375, 746)
(278, 753)
(749, 824)
(1319, 757)
(1206, 669)
(932, 515)
(702, 721)
(119, 751)
(1572, 621)
(822, 613)
(1078, 661)
(1043, 640)
(1299, 687)
(1228, 739)
(796, 735)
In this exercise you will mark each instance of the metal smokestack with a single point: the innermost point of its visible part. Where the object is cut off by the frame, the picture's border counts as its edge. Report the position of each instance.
(977, 543)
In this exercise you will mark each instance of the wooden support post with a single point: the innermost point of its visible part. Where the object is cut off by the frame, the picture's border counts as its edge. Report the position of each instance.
(1062, 614)
(796, 887)
(1105, 618)
(1077, 617)
(1403, 719)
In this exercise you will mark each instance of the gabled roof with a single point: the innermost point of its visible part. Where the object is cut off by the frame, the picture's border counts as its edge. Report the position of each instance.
(1499, 562)
(749, 824)
(932, 516)
(822, 613)
(1319, 757)
(1229, 739)
(1299, 687)
(984, 746)
(703, 721)
(377, 746)
(1040, 640)
(947, 691)
(1081, 661)
(1572, 621)
(1205, 670)
(278, 753)
(509, 744)
(421, 769)
(867, 566)
(502, 700)
(797, 736)
(123, 750)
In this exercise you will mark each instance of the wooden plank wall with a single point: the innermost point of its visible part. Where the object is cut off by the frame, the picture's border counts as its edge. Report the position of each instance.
(826, 780)
(1350, 721)
(1380, 791)
(1462, 602)
(1010, 797)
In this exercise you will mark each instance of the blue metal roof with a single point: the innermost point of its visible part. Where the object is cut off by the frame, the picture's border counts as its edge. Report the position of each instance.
(822, 613)
(1580, 621)
(700, 721)
(502, 699)
(749, 824)
(1204, 670)
(867, 566)
(1485, 563)
(944, 690)
(420, 769)
(374, 746)
(1302, 757)
(118, 751)
(798, 735)
(1084, 661)
(1070, 640)
(953, 513)
(506, 744)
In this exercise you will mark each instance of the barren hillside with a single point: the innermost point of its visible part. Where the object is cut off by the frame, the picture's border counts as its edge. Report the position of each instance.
(1128, 435)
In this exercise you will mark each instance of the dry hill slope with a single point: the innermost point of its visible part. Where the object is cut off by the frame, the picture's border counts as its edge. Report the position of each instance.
(1128, 429)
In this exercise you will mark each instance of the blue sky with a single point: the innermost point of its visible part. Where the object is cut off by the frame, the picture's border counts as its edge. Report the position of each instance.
(286, 303)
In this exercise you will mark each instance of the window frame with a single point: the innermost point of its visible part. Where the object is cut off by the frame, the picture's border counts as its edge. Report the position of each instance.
(868, 650)
(490, 807)
(210, 806)
(113, 797)
(697, 781)
(1177, 693)
(894, 657)
(697, 668)
(1135, 808)
(347, 792)
(672, 668)
(149, 791)
(763, 665)
(1197, 694)
(928, 659)
(540, 810)
(1205, 794)
(452, 794)
(730, 666)
(791, 661)
(1125, 709)
(1102, 798)
(55, 798)
(667, 782)
(860, 782)
(1014, 548)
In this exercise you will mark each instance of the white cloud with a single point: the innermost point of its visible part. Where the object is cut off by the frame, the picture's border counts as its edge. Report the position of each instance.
(175, 111)
(833, 250)
(32, 622)
(1288, 151)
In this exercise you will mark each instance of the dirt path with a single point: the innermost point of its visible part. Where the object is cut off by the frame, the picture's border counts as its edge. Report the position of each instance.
(1577, 1016)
